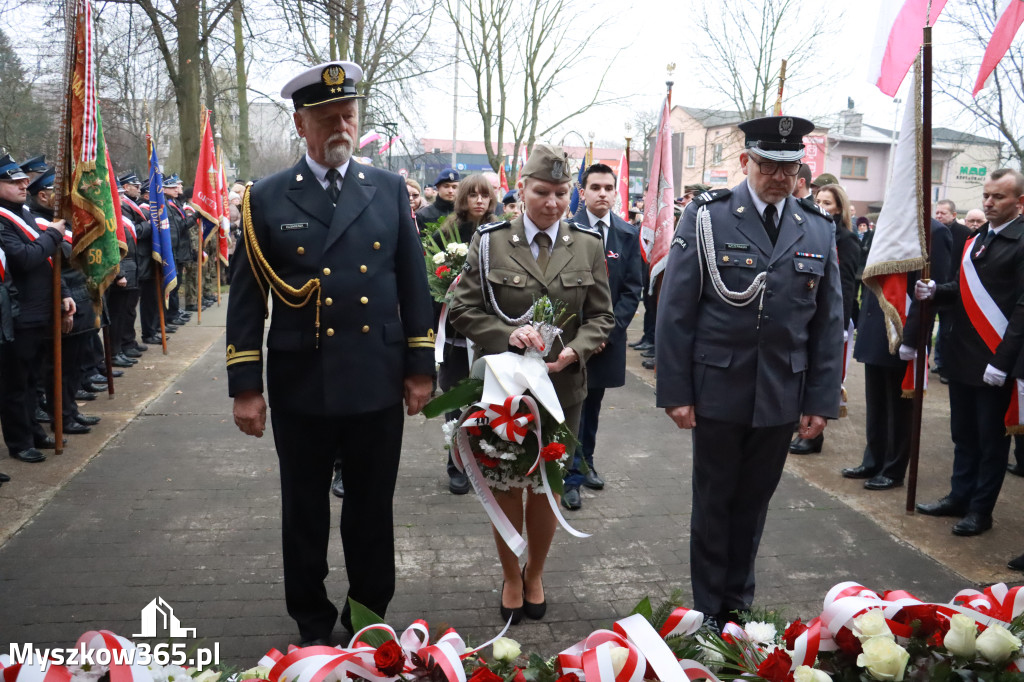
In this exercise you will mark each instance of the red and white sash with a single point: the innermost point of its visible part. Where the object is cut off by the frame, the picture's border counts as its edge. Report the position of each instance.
(990, 323)
(134, 207)
(27, 229)
(3, 265)
(910, 376)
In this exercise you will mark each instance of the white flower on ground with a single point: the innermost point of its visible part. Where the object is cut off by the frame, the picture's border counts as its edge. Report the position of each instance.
(506, 649)
(872, 624)
(763, 633)
(619, 655)
(997, 644)
(806, 673)
(960, 640)
(169, 673)
(884, 659)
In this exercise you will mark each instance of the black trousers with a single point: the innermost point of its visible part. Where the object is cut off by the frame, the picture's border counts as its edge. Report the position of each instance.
(888, 421)
(981, 447)
(149, 314)
(22, 368)
(369, 446)
(589, 417)
(121, 303)
(736, 469)
(73, 351)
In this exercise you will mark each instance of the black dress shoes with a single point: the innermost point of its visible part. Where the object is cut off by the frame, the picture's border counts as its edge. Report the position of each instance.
(530, 609)
(95, 388)
(1017, 469)
(42, 417)
(87, 420)
(642, 344)
(4, 478)
(131, 353)
(947, 506)
(858, 472)
(807, 446)
(571, 499)
(30, 456)
(1013, 564)
(170, 328)
(116, 373)
(648, 364)
(337, 487)
(139, 346)
(975, 523)
(153, 340)
(49, 443)
(592, 480)
(96, 379)
(84, 395)
(458, 484)
(121, 361)
(649, 353)
(74, 428)
(882, 483)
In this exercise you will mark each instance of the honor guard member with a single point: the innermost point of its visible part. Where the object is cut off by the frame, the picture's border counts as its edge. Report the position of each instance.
(35, 167)
(430, 217)
(139, 218)
(750, 340)
(176, 315)
(350, 337)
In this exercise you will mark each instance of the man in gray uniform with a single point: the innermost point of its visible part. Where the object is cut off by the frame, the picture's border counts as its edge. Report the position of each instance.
(750, 341)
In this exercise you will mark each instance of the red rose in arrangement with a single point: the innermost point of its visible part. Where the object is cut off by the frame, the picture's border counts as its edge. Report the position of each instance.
(569, 677)
(389, 658)
(484, 675)
(848, 642)
(776, 667)
(552, 452)
(795, 629)
(928, 618)
(441, 271)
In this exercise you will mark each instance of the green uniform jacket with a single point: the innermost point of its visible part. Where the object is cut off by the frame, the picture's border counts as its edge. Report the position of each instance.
(576, 275)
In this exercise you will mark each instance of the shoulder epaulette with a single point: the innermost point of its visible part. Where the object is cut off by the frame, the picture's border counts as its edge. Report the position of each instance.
(580, 227)
(711, 195)
(491, 227)
(808, 204)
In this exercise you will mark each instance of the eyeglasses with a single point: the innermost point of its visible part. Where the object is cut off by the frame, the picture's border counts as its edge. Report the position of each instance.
(772, 167)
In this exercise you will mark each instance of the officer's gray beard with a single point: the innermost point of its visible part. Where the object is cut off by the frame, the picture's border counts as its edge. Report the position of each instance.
(338, 149)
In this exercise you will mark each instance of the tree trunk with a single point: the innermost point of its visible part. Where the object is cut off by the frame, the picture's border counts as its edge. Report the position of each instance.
(187, 90)
(242, 94)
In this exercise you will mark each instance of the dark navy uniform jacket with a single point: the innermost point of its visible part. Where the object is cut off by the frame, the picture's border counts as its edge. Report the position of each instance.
(28, 268)
(375, 308)
(752, 365)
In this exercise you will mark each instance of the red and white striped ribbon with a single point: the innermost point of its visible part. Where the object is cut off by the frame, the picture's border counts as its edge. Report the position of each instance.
(98, 640)
(442, 322)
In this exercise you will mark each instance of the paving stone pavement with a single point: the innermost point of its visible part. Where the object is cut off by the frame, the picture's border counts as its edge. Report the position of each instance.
(180, 505)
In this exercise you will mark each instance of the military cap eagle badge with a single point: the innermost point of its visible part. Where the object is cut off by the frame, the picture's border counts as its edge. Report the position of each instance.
(333, 75)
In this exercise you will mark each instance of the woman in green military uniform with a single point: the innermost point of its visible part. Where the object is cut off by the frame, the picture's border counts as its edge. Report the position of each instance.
(535, 255)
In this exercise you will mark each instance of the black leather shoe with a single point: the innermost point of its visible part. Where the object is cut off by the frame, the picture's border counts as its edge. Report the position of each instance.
(87, 420)
(170, 328)
(882, 483)
(316, 641)
(84, 395)
(975, 523)
(858, 472)
(96, 379)
(31, 456)
(648, 364)
(1015, 469)
(649, 353)
(514, 613)
(592, 480)
(76, 429)
(121, 361)
(531, 610)
(458, 484)
(116, 373)
(153, 340)
(641, 345)
(571, 499)
(191, 308)
(943, 380)
(42, 417)
(4, 478)
(807, 446)
(1013, 564)
(337, 487)
(139, 346)
(947, 506)
(96, 388)
(131, 353)
(49, 443)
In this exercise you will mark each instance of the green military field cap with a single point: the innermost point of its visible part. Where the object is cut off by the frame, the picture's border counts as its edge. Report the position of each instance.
(547, 162)
(696, 188)
(824, 179)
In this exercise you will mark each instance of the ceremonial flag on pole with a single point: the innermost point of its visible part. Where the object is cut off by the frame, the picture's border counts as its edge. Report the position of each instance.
(1006, 28)
(656, 230)
(95, 217)
(387, 145)
(115, 197)
(577, 189)
(205, 195)
(898, 40)
(162, 251)
(368, 137)
(523, 155)
(898, 246)
(624, 186)
(502, 180)
(225, 217)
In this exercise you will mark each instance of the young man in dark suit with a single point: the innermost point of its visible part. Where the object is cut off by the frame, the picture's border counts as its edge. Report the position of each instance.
(607, 368)
(350, 339)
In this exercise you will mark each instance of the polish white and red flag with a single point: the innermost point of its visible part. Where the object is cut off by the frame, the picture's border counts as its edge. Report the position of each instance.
(624, 186)
(657, 227)
(1002, 35)
(898, 40)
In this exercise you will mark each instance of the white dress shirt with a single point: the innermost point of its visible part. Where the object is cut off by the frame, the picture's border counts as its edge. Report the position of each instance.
(320, 171)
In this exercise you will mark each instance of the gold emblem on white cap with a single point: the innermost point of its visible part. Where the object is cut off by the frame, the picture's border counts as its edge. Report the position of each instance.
(333, 75)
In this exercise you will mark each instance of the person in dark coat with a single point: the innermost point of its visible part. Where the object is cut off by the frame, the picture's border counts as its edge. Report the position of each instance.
(29, 248)
(755, 350)
(607, 368)
(945, 213)
(431, 216)
(123, 296)
(131, 211)
(985, 299)
(887, 409)
(336, 240)
(8, 309)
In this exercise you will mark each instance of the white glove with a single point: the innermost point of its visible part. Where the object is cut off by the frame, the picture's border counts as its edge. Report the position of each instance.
(993, 376)
(846, 335)
(924, 290)
(908, 353)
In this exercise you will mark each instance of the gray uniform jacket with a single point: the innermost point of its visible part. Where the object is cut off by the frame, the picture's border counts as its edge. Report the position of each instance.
(780, 356)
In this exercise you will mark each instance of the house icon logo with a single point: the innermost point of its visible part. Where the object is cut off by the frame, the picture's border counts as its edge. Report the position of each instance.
(158, 615)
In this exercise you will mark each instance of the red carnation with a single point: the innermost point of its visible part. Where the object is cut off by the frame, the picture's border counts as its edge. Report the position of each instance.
(795, 629)
(389, 658)
(552, 452)
(486, 461)
(776, 667)
(569, 677)
(441, 271)
(485, 675)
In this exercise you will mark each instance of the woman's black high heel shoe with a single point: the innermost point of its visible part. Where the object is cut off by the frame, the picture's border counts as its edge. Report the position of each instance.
(534, 611)
(515, 613)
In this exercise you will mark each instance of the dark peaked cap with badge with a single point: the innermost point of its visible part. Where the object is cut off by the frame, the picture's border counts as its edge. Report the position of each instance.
(323, 83)
(547, 162)
(10, 170)
(777, 138)
(37, 164)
